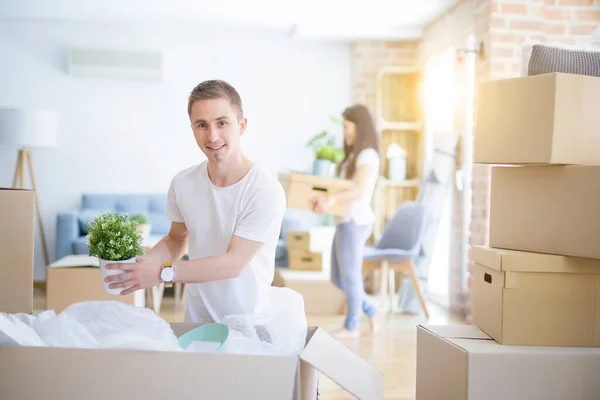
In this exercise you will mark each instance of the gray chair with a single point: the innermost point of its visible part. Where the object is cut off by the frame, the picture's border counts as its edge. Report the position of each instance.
(399, 246)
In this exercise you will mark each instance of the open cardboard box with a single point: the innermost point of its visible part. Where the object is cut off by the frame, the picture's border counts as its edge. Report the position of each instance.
(461, 362)
(99, 374)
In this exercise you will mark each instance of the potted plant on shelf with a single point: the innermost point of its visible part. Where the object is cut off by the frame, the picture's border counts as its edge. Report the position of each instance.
(113, 238)
(143, 224)
(327, 155)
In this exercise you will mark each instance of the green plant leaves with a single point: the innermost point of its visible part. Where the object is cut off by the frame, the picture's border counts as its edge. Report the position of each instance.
(114, 237)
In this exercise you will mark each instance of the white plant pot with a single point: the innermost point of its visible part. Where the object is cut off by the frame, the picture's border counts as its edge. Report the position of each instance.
(109, 272)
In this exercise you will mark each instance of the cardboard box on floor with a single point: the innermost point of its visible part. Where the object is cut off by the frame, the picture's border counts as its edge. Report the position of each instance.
(535, 299)
(300, 189)
(321, 297)
(463, 363)
(78, 278)
(542, 119)
(310, 250)
(546, 209)
(99, 374)
(16, 250)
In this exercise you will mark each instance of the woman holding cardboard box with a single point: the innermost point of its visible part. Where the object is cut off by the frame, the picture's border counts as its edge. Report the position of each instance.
(361, 165)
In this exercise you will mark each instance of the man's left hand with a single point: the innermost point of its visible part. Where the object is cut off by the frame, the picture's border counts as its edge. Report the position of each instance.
(142, 274)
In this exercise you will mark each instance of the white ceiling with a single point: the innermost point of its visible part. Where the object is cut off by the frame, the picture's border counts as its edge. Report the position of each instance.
(305, 19)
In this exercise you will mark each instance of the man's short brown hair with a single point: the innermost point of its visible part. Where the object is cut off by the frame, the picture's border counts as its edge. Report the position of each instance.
(216, 89)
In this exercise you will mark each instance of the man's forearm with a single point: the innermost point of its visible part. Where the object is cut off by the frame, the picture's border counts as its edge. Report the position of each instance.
(167, 249)
(224, 266)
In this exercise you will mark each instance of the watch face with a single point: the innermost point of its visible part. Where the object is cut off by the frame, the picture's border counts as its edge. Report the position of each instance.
(167, 274)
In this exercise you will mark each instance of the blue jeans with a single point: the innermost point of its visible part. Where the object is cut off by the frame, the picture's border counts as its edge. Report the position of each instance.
(346, 270)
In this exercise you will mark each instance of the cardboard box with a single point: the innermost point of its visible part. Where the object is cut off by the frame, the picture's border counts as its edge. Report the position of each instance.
(16, 250)
(463, 363)
(534, 299)
(315, 240)
(99, 374)
(542, 119)
(321, 296)
(300, 260)
(546, 209)
(78, 278)
(300, 189)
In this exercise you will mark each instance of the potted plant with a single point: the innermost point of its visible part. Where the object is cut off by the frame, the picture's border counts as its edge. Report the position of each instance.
(113, 238)
(143, 224)
(327, 155)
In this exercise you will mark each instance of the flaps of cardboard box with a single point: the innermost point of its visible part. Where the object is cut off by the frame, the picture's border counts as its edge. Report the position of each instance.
(341, 365)
(522, 261)
(75, 261)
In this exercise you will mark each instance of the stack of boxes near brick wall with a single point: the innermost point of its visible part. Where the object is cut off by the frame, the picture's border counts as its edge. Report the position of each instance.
(538, 281)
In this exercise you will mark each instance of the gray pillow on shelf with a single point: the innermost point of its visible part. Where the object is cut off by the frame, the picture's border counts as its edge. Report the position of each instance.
(547, 59)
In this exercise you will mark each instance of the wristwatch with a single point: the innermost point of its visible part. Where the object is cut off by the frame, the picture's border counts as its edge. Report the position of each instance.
(167, 274)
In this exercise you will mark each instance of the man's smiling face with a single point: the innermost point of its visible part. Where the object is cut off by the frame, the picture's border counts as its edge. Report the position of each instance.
(217, 128)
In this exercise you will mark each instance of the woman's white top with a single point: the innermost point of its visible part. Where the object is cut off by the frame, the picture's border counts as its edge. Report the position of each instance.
(360, 209)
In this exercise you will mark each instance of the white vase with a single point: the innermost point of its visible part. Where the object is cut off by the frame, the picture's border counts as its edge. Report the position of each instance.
(324, 168)
(109, 272)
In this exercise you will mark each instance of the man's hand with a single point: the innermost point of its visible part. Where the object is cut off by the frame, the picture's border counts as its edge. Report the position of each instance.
(320, 204)
(142, 274)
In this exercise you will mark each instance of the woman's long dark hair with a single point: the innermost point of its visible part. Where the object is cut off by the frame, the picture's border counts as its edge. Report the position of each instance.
(366, 137)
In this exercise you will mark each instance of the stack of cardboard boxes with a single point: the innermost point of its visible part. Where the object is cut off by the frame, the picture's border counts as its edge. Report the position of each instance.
(28, 372)
(536, 307)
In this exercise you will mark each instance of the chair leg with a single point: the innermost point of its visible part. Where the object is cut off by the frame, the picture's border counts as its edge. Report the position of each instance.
(416, 286)
(392, 287)
(383, 284)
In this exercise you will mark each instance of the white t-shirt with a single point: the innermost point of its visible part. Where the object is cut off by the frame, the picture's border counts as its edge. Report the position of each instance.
(360, 210)
(253, 209)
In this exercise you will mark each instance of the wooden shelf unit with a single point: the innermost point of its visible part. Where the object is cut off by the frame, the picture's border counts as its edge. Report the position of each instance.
(399, 115)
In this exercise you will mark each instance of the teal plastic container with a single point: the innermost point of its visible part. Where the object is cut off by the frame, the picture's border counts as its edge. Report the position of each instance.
(215, 333)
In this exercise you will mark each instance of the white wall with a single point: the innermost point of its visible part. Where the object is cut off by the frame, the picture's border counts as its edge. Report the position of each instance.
(127, 136)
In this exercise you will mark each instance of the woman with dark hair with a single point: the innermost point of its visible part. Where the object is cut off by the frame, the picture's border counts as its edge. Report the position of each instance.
(361, 165)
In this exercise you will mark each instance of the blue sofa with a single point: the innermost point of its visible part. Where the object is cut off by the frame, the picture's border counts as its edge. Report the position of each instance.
(71, 229)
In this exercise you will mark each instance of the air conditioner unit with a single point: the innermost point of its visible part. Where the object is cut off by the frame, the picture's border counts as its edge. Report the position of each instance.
(115, 64)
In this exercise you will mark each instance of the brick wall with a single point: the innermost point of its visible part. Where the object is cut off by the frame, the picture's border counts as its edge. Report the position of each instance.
(515, 23)
(368, 57)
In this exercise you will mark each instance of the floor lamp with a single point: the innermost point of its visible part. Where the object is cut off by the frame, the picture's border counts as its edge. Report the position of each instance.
(24, 130)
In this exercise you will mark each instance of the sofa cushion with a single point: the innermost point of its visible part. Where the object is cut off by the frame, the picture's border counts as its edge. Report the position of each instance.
(86, 215)
(80, 246)
(152, 205)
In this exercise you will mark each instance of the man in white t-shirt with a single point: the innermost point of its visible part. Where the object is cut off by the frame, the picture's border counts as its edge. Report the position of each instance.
(227, 211)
